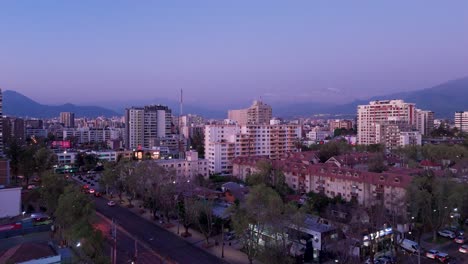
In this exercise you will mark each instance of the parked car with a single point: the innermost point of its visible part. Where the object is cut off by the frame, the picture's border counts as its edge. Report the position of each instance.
(98, 194)
(111, 203)
(460, 240)
(443, 257)
(409, 245)
(446, 233)
(92, 191)
(386, 260)
(36, 179)
(456, 230)
(463, 249)
(31, 187)
(432, 253)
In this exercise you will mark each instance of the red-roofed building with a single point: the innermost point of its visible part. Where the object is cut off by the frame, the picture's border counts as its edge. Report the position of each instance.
(366, 188)
(429, 165)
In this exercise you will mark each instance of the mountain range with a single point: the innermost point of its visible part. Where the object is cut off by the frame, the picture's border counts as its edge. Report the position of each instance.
(444, 99)
(16, 104)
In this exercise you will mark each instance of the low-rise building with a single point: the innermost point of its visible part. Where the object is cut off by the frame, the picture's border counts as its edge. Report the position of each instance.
(186, 169)
(10, 204)
(366, 188)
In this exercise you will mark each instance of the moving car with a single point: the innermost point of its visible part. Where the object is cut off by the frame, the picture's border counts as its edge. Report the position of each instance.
(443, 257)
(446, 233)
(463, 249)
(460, 240)
(432, 253)
(111, 203)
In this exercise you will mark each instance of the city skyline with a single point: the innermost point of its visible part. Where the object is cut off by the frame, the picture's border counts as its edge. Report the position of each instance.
(236, 52)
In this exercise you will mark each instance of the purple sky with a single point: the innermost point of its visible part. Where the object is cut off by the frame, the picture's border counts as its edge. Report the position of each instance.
(223, 52)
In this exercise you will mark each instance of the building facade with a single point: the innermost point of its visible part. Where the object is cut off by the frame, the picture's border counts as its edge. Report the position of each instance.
(379, 118)
(366, 188)
(258, 113)
(225, 142)
(461, 121)
(146, 124)
(424, 121)
(67, 119)
(186, 169)
(340, 123)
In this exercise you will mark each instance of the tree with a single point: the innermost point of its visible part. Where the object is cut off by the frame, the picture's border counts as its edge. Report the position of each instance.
(431, 200)
(44, 159)
(205, 218)
(251, 220)
(13, 152)
(198, 143)
(377, 164)
(187, 213)
(52, 188)
(28, 164)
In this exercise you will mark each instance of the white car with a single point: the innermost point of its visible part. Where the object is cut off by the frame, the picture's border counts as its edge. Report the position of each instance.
(447, 233)
(432, 253)
(92, 191)
(463, 249)
(111, 203)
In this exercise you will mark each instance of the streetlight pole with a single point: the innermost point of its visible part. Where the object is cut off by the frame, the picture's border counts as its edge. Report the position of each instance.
(222, 238)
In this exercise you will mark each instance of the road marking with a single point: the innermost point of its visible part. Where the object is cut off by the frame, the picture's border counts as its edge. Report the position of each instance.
(162, 259)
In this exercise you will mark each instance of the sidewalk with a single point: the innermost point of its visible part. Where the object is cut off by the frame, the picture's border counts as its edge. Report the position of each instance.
(232, 254)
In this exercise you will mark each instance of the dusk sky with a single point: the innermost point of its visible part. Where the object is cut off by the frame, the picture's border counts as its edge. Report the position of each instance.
(224, 52)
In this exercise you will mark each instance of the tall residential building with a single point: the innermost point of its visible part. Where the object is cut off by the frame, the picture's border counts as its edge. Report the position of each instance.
(424, 121)
(225, 142)
(1, 123)
(461, 121)
(258, 113)
(13, 127)
(67, 119)
(143, 125)
(378, 115)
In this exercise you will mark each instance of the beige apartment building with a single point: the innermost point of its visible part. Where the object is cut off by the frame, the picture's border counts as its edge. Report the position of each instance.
(257, 113)
(186, 169)
(461, 121)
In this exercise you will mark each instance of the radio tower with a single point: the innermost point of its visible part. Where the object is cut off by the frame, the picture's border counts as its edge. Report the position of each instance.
(181, 136)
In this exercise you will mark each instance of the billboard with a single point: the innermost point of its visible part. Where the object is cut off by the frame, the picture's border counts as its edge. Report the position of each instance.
(61, 144)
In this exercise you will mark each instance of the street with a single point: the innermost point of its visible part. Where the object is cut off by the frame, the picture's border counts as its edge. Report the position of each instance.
(448, 246)
(158, 240)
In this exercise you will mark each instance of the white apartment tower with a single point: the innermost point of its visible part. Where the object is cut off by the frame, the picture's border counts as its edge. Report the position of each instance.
(258, 113)
(373, 118)
(225, 142)
(144, 125)
(461, 121)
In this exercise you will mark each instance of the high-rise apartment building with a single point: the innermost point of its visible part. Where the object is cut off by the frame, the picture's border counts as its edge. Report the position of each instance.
(67, 119)
(258, 113)
(424, 121)
(461, 121)
(376, 117)
(225, 142)
(143, 125)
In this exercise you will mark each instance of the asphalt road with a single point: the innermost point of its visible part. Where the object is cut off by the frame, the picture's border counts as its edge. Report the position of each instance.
(156, 238)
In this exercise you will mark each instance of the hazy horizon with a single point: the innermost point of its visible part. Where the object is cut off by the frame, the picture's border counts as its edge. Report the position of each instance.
(222, 53)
